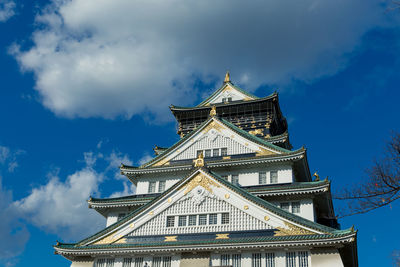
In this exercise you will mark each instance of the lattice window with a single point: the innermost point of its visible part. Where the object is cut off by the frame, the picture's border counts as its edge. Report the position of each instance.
(295, 207)
(152, 187)
(170, 221)
(161, 186)
(216, 152)
(167, 260)
(203, 219)
(290, 259)
(256, 260)
(192, 220)
(127, 262)
(235, 179)
(236, 260)
(212, 218)
(262, 178)
(101, 263)
(224, 151)
(225, 259)
(273, 177)
(224, 177)
(270, 259)
(207, 153)
(225, 218)
(157, 261)
(121, 215)
(303, 259)
(182, 221)
(110, 263)
(285, 206)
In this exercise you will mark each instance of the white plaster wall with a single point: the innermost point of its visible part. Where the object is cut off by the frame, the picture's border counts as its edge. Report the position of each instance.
(228, 93)
(142, 186)
(326, 257)
(82, 264)
(306, 207)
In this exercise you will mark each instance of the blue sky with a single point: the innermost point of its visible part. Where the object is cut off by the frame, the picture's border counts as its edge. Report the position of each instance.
(85, 85)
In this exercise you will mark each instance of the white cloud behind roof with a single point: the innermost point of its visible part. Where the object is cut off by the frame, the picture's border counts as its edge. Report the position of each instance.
(98, 58)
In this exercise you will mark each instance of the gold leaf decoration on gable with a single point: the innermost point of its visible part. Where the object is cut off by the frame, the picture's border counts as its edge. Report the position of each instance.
(170, 238)
(201, 180)
(256, 131)
(222, 236)
(292, 230)
(121, 241)
(264, 152)
(107, 240)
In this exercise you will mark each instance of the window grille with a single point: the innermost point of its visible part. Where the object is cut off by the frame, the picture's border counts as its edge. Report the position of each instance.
(224, 177)
(295, 207)
(225, 259)
(207, 153)
(224, 218)
(273, 177)
(192, 220)
(215, 152)
(212, 218)
(110, 263)
(161, 186)
(262, 178)
(236, 260)
(170, 221)
(167, 261)
(270, 259)
(156, 262)
(256, 260)
(224, 151)
(101, 263)
(285, 206)
(290, 259)
(152, 187)
(203, 219)
(303, 259)
(127, 262)
(182, 221)
(235, 179)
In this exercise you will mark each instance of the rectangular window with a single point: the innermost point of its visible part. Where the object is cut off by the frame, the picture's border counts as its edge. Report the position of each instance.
(225, 259)
(273, 177)
(161, 186)
(182, 221)
(229, 99)
(157, 262)
(139, 262)
(290, 259)
(110, 263)
(170, 221)
(285, 206)
(203, 219)
(127, 262)
(295, 207)
(101, 263)
(215, 152)
(167, 261)
(262, 178)
(207, 153)
(224, 151)
(270, 259)
(236, 260)
(212, 218)
(192, 220)
(303, 259)
(256, 260)
(235, 179)
(225, 218)
(152, 187)
(199, 152)
(224, 177)
(121, 215)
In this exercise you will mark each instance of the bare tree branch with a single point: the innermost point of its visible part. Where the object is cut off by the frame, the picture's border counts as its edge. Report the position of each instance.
(382, 185)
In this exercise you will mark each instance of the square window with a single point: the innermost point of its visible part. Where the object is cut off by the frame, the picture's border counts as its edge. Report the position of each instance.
(224, 151)
(170, 221)
(161, 186)
(225, 218)
(182, 221)
(235, 179)
(152, 187)
(262, 178)
(285, 206)
(207, 153)
(203, 219)
(212, 219)
(192, 220)
(273, 177)
(216, 152)
(295, 207)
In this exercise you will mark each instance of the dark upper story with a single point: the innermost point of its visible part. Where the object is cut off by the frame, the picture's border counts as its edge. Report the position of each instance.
(261, 117)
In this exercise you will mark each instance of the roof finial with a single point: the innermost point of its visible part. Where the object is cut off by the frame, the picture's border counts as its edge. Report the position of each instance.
(316, 175)
(199, 162)
(213, 111)
(227, 78)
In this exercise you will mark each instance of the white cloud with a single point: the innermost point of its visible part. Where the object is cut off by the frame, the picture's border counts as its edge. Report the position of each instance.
(146, 158)
(129, 189)
(9, 157)
(61, 207)
(14, 234)
(7, 9)
(114, 161)
(98, 58)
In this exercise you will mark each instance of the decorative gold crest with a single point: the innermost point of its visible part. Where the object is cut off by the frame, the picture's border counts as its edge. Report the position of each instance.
(201, 180)
(170, 238)
(213, 111)
(292, 230)
(199, 162)
(222, 236)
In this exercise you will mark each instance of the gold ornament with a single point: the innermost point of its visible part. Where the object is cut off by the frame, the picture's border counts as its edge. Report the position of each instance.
(293, 230)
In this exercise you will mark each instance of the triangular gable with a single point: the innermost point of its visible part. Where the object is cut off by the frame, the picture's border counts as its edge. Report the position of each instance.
(215, 133)
(212, 186)
(228, 90)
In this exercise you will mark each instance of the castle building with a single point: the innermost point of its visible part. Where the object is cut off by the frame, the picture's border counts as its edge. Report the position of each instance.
(230, 192)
